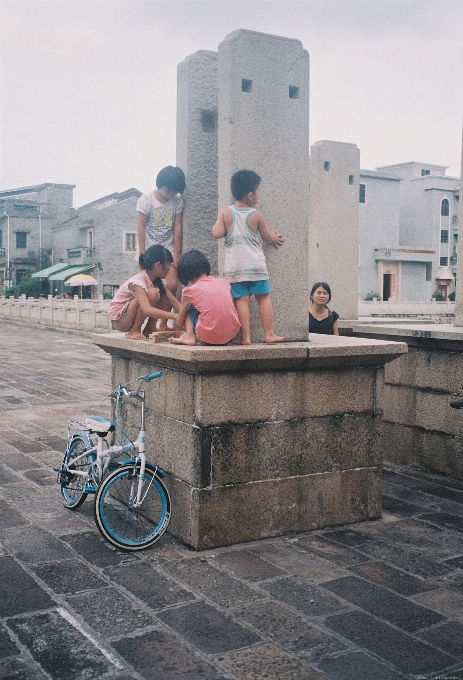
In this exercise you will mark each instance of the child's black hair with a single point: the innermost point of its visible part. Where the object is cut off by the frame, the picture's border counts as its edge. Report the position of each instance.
(172, 178)
(192, 265)
(155, 254)
(242, 182)
(324, 285)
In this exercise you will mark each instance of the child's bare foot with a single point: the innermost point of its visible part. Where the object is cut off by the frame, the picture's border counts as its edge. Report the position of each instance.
(163, 326)
(274, 338)
(135, 335)
(184, 339)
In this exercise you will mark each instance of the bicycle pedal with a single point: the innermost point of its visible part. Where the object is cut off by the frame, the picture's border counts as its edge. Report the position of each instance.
(60, 469)
(89, 488)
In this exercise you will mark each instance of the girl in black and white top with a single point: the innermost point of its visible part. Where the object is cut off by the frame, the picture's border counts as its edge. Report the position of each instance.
(322, 319)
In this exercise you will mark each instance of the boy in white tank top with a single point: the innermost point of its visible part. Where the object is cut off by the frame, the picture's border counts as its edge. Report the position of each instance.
(243, 227)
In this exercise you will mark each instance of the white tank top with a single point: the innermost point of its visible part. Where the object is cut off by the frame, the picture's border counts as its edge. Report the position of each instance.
(244, 256)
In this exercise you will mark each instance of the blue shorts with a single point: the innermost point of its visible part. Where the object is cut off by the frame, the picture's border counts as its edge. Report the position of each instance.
(194, 316)
(243, 288)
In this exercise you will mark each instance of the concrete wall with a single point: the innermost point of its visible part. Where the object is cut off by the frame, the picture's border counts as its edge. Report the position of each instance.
(419, 427)
(414, 285)
(264, 441)
(264, 126)
(334, 222)
(378, 225)
(197, 153)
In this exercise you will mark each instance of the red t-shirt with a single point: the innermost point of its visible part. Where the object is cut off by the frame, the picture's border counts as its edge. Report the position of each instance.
(218, 321)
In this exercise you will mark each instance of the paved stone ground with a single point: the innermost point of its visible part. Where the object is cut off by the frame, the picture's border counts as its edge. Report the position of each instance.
(378, 600)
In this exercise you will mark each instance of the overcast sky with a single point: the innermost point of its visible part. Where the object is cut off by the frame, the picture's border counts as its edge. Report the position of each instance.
(88, 94)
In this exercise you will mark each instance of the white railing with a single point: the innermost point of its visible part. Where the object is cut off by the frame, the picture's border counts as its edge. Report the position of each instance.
(405, 308)
(89, 315)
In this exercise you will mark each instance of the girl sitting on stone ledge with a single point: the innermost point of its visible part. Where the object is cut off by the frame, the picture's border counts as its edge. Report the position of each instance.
(207, 311)
(140, 297)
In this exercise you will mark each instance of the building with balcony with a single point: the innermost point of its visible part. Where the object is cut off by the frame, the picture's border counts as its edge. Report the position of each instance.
(408, 229)
(27, 218)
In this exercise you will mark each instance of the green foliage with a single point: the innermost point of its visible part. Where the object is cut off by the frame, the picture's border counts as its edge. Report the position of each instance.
(438, 297)
(371, 296)
(27, 286)
(452, 296)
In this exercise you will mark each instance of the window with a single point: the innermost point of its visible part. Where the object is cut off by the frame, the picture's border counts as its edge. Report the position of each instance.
(1, 239)
(425, 172)
(444, 261)
(362, 191)
(246, 85)
(90, 238)
(293, 92)
(351, 179)
(326, 166)
(428, 271)
(455, 220)
(21, 239)
(130, 243)
(74, 253)
(455, 238)
(444, 236)
(444, 207)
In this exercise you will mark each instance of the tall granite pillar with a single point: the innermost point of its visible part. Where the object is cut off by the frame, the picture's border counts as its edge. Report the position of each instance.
(459, 293)
(264, 126)
(334, 222)
(197, 94)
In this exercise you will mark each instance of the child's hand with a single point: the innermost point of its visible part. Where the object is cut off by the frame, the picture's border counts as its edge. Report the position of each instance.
(278, 239)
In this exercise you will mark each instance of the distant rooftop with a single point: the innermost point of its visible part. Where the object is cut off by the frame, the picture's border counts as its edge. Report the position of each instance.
(34, 188)
(106, 201)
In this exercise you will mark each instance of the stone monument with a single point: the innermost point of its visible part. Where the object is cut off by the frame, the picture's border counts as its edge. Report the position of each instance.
(257, 110)
(197, 134)
(334, 222)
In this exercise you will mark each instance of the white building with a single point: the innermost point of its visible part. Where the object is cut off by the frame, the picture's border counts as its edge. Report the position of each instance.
(408, 231)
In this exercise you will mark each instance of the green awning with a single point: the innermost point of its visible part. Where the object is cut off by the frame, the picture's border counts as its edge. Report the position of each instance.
(70, 271)
(45, 273)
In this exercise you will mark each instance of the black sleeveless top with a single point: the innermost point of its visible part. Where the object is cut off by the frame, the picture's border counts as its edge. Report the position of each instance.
(324, 326)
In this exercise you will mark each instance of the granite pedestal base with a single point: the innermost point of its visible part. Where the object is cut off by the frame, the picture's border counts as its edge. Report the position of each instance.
(263, 440)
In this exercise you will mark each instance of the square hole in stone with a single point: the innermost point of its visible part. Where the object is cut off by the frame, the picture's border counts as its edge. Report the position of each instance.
(293, 92)
(246, 85)
(351, 179)
(326, 166)
(208, 119)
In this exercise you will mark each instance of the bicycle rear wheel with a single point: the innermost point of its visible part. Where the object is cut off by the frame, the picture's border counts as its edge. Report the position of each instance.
(72, 486)
(122, 524)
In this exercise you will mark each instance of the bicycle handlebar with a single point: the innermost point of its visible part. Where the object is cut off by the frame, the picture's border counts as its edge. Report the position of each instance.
(150, 377)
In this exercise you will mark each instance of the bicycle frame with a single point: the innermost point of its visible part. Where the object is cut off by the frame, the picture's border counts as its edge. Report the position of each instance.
(105, 456)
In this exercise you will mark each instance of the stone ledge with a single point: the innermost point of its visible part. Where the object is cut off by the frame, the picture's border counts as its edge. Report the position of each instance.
(322, 351)
(426, 336)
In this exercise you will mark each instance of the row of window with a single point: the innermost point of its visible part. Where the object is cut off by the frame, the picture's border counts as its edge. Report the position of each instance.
(130, 242)
(21, 239)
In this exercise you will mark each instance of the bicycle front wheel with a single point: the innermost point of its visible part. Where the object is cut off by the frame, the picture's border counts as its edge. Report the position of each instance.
(117, 517)
(72, 485)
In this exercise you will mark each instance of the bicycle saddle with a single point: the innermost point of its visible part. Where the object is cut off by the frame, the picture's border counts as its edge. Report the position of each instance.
(99, 424)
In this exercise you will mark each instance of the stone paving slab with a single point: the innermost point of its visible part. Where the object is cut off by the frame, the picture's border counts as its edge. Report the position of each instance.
(378, 600)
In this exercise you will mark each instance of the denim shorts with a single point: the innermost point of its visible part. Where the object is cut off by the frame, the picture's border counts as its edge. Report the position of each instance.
(243, 288)
(194, 316)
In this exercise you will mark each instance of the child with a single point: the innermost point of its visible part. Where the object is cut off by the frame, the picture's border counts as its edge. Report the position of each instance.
(207, 310)
(245, 267)
(141, 296)
(160, 221)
